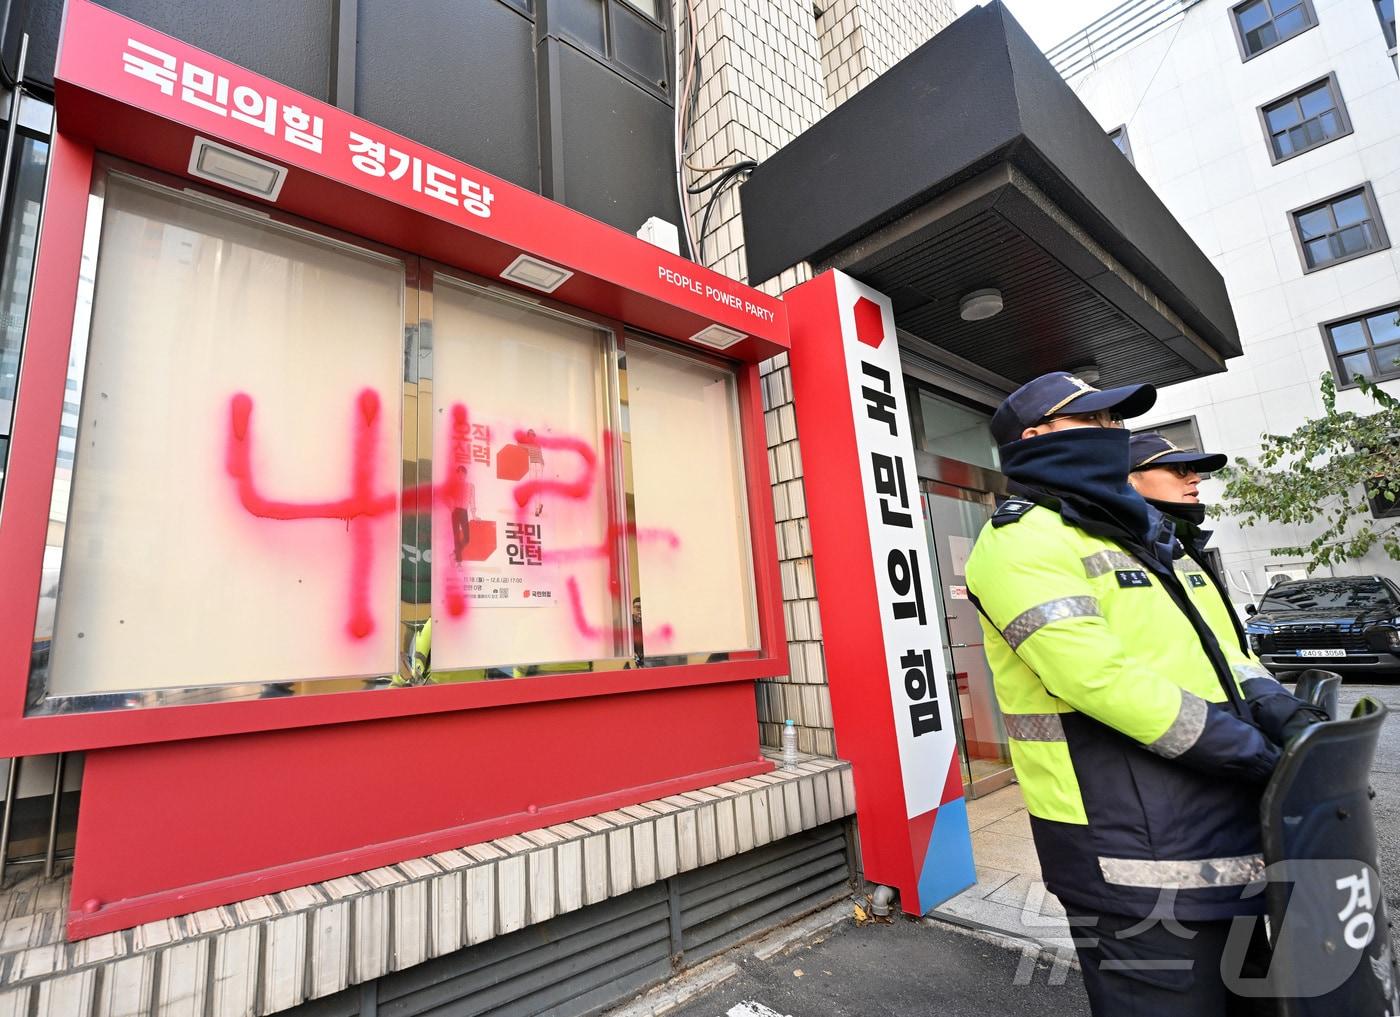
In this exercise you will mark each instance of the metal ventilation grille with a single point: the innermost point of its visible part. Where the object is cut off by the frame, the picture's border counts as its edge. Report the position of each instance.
(723, 903)
(569, 965)
(583, 963)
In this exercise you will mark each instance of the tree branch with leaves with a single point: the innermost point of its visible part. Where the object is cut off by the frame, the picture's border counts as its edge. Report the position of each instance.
(1326, 474)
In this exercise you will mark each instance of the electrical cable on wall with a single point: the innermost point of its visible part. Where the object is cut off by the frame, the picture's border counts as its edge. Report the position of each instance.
(687, 44)
(720, 184)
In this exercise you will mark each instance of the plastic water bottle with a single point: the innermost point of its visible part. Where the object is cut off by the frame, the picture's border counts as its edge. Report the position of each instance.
(789, 744)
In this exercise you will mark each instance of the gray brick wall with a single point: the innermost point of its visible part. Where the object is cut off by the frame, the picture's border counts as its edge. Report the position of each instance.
(770, 71)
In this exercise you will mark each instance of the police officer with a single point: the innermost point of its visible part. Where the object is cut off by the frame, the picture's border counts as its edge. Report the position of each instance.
(1169, 478)
(1137, 754)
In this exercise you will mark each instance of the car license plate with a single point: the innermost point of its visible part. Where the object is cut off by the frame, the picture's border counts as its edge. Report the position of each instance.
(1321, 653)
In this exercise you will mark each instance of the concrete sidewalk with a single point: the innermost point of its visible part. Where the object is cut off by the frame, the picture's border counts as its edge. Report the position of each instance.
(1009, 897)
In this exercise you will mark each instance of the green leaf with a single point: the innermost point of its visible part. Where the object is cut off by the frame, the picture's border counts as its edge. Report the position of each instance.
(1324, 476)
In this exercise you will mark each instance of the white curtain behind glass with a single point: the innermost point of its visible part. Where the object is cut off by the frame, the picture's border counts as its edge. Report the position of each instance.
(168, 579)
(693, 536)
(513, 370)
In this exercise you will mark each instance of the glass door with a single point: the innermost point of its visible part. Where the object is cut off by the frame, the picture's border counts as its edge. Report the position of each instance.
(954, 517)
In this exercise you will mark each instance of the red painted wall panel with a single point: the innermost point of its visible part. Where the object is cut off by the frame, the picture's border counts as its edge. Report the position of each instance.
(180, 826)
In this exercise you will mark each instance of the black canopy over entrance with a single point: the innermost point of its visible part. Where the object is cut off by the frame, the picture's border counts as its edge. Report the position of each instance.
(971, 165)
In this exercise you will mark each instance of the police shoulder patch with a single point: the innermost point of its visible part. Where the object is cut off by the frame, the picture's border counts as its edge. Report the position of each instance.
(1011, 511)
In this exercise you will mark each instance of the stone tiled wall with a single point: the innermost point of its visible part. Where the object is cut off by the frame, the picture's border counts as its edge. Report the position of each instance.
(861, 39)
(270, 953)
(768, 72)
(760, 85)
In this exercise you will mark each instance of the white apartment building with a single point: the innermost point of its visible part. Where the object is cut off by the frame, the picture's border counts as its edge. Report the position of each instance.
(1269, 128)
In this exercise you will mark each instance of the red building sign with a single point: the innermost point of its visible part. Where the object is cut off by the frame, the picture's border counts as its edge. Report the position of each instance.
(879, 599)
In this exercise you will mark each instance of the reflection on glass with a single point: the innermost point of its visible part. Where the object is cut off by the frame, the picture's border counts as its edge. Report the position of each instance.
(1355, 366)
(1348, 336)
(692, 528)
(233, 515)
(1384, 327)
(953, 518)
(955, 431)
(21, 224)
(522, 532)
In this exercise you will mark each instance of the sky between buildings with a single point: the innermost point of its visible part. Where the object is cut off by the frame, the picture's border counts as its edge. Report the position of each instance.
(1049, 22)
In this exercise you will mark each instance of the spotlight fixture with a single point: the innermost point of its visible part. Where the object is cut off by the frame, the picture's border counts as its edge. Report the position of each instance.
(717, 337)
(536, 274)
(980, 305)
(238, 171)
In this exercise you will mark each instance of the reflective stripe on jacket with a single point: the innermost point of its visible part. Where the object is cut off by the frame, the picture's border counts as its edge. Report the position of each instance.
(1140, 774)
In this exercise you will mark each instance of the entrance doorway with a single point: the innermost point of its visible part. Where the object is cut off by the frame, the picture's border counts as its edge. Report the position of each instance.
(955, 515)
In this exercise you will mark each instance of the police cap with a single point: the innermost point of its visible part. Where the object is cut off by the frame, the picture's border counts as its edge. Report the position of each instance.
(1059, 394)
(1149, 450)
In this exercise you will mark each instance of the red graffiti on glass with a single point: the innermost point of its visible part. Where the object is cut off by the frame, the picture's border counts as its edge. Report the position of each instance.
(363, 505)
(528, 491)
(357, 509)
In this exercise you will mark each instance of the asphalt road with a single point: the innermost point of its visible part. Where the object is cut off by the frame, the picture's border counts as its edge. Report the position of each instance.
(1385, 779)
(907, 968)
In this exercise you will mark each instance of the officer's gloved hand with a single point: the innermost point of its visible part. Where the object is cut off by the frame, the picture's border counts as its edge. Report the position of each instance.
(1277, 712)
(1300, 720)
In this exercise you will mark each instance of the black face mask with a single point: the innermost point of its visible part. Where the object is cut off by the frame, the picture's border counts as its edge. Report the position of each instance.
(1086, 470)
(1191, 511)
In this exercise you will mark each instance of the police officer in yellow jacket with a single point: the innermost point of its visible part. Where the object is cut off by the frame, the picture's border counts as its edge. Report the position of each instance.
(1169, 477)
(1139, 758)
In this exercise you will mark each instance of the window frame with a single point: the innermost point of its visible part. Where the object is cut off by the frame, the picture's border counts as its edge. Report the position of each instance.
(1127, 147)
(70, 204)
(1334, 359)
(1388, 30)
(1245, 54)
(1382, 237)
(1293, 96)
(1375, 502)
(1191, 421)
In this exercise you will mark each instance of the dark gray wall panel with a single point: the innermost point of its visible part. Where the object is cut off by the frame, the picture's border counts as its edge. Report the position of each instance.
(458, 77)
(41, 19)
(287, 42)
(614, 145)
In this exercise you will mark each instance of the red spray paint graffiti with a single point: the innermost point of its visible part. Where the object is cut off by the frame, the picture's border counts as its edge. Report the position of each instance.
(357, 510)
(455, 493)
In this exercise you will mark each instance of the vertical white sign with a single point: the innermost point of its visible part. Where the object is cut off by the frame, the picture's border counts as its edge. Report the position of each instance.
(910, 603)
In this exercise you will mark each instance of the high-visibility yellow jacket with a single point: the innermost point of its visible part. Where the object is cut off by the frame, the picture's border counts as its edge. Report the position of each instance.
(1128, 727)
(1207, 593)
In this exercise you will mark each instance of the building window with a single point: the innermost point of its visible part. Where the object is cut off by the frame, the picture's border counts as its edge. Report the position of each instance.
(1345, 226)
(1383, 507)
(1305, 119)
(18, 241)
(948, 428)
(527, 501)
(1262, 24)
(1181, 433)
(1119, 136)
(1385, 10)
(1365, 346)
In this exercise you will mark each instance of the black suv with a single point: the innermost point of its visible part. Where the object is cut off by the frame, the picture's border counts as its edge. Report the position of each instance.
(1348, 624)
